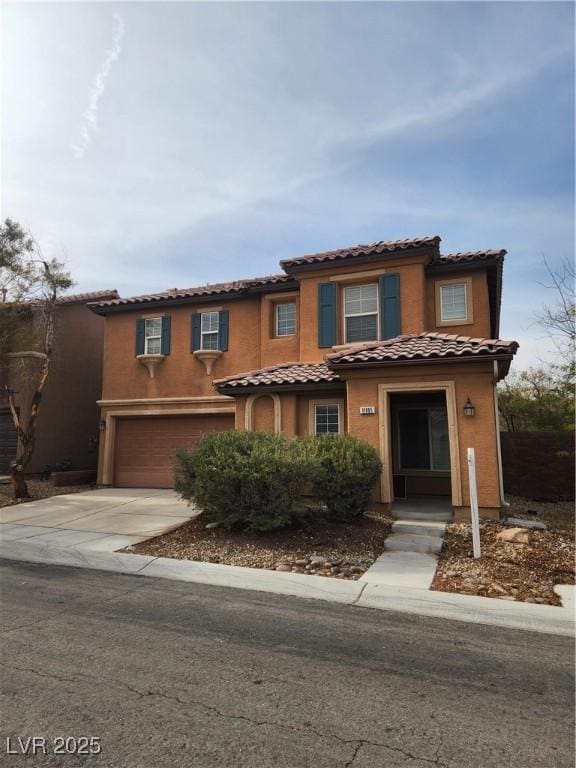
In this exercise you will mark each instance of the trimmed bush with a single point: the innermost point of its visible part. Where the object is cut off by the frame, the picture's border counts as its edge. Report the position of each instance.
(247, 480)
(184, 473)
(345, 470)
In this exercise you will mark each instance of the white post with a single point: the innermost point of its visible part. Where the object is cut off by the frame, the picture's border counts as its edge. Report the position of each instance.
(474, 502)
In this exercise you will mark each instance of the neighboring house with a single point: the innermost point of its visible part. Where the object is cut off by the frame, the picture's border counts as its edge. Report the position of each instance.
(69, 416)
(392, 342)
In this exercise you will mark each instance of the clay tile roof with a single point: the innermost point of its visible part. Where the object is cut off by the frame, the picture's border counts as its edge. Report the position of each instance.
(284, 374)
(379, 247)
(210, 289)
(422, 347)
(87, 298)
(467, 256)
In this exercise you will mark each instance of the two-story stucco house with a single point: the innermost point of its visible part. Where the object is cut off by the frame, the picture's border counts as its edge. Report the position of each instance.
(68, 417)
(393, 342)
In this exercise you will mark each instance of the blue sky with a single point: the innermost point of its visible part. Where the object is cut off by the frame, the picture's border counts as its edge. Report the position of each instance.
(157, 145)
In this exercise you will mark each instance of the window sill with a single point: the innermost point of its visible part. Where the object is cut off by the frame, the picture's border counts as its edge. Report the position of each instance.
(448, 323)
(208, 357)
(150, 362)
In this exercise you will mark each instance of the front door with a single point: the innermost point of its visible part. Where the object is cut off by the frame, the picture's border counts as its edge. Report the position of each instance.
(421, 445)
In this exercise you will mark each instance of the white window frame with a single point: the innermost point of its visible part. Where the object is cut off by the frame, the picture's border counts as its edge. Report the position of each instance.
(276, 319)
(314, 404)
(468, 296)
(451, 287)
(363, 314)
(149, 337)
(211, 332)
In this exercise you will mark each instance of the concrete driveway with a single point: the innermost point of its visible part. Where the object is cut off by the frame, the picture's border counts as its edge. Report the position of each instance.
(105, 520)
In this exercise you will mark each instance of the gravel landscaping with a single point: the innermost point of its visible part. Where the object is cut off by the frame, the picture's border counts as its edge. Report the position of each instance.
(39, 489)
(511, 570)
(335, 550)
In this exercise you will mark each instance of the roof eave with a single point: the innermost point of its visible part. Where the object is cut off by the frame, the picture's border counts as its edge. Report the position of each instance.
(355, 259)
(170, 301)
(463, 266)
(300, 387)
(335, 366)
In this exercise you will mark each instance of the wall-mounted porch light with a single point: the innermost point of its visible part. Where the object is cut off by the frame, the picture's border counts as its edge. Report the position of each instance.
(468, 408)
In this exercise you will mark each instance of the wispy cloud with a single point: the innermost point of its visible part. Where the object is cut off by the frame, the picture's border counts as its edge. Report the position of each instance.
(90, 116)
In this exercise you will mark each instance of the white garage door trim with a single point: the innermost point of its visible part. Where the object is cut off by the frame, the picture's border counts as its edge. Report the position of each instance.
(110, 431)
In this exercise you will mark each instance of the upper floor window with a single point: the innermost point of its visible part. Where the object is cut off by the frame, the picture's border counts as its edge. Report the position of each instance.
(152, 335)
(209, 329)
(286, 319)
(360, 313)
(327, 419)
(453, 302)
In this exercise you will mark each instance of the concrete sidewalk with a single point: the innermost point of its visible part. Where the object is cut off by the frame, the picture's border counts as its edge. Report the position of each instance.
(67, 548)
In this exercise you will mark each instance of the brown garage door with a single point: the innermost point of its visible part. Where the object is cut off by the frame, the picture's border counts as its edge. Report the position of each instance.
(145, 446)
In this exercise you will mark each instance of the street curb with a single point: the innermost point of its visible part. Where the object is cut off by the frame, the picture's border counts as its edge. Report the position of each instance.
(467, 608)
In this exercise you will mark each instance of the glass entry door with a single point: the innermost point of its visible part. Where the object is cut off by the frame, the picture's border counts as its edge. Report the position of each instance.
(423, 439)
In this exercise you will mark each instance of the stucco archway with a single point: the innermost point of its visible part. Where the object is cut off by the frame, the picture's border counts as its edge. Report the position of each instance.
(249, 411)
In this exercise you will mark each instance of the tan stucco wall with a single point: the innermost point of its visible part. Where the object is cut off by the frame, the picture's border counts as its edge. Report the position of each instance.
(480, 326)
(180, 374)
(263, 414)
(473, 380)
(412, 298)
(69, 414)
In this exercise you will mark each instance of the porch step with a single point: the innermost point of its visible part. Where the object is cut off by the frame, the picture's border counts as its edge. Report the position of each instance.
(425, 527)
(414, 514)
(410, 542)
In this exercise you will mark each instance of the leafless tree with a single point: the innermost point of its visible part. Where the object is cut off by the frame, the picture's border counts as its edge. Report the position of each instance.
(559, 318)
(31, 281)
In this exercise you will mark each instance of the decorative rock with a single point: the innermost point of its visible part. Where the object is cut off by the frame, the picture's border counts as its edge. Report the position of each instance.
(514, 536)
(497, 588)
(209, 526)
(301, 563)
(316, 560)
(284, 567)
(356, 569)
(335, 569)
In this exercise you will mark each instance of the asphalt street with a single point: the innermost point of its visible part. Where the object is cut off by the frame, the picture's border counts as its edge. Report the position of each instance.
(164, 673)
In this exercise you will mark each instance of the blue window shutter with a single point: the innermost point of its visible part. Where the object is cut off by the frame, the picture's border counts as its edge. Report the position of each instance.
(165, 344)
(390, 306)
(326, 314)
(140, 336)
(196, 319)
(223, 330)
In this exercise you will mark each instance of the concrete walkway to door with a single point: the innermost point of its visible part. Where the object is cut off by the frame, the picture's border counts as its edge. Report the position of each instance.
(104, 520)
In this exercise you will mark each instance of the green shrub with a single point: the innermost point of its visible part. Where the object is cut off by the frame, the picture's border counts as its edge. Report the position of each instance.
(246, 480)
(344, 472)
(184, 473)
